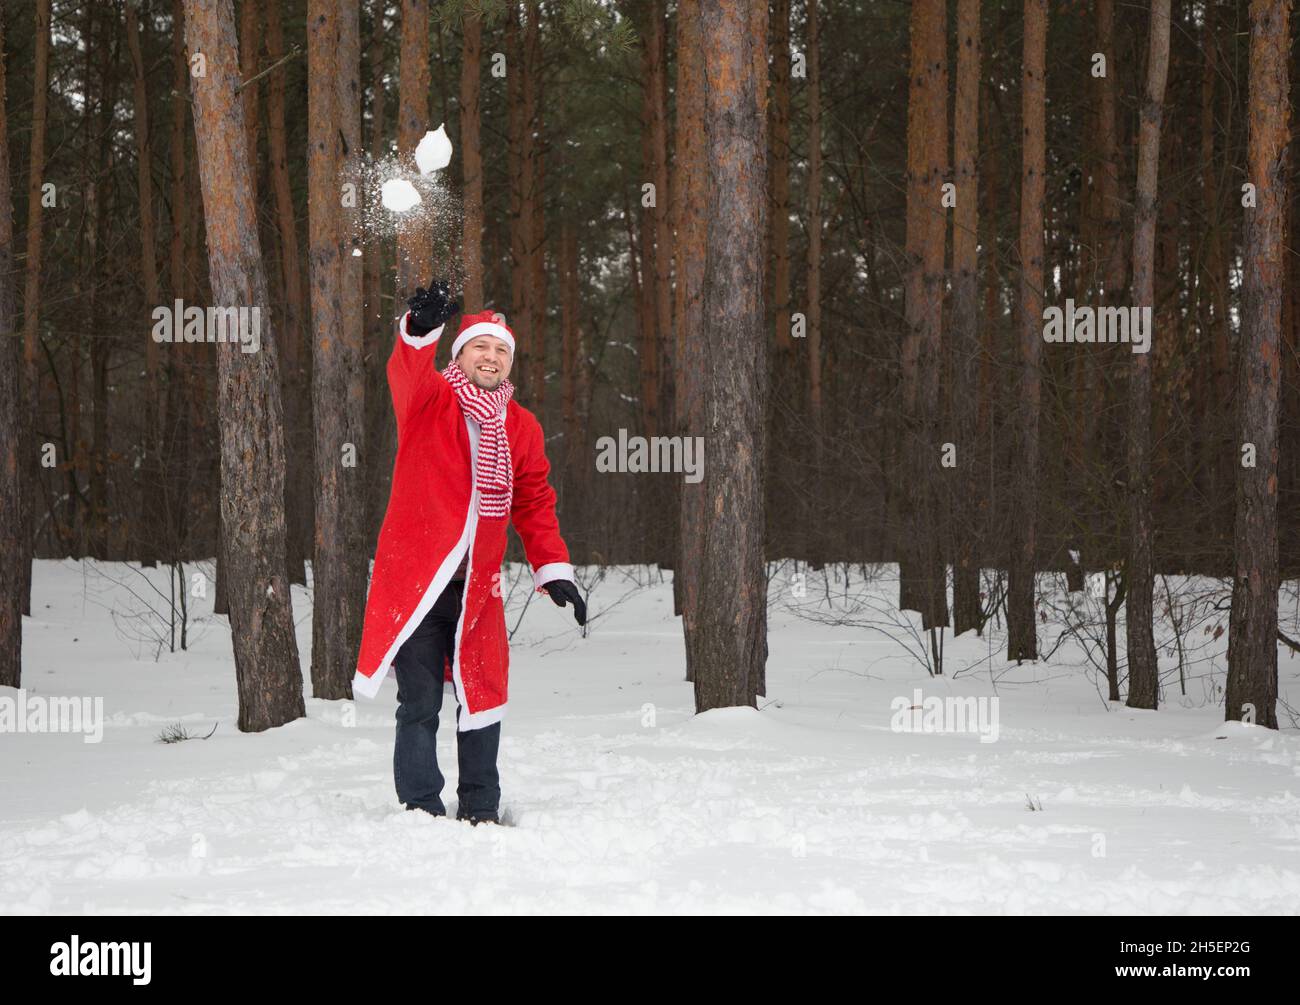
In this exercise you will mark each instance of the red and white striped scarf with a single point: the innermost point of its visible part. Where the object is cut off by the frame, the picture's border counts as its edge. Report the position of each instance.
(492, 473)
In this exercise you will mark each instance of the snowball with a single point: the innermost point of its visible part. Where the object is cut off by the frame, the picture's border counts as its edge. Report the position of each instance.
(434, 151)
(399, 195)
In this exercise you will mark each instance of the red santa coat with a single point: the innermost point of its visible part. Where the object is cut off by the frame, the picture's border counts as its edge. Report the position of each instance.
(432, 521)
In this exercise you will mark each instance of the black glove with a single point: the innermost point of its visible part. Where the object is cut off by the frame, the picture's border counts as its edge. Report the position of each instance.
(430, 308)
(562, 591)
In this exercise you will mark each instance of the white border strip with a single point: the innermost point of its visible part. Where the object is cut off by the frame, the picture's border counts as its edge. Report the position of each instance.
(369, 686)
(418, 341)
(550, 572)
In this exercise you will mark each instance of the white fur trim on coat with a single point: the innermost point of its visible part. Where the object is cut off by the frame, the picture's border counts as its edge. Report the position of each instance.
(552, 571)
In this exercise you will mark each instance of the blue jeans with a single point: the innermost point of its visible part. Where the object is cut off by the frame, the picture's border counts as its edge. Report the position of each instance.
(419, 670)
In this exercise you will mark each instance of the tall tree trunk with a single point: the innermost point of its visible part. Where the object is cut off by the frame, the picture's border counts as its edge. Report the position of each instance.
(152, 505)
(1216, 407)
(815, 237)
(332, 52)
(414, 258)
(779, 158)
(299, 509)
(688, 306)
(520, 222)
(1252, 630)
(663, 204)
(534, 208)
(32, 294)
(1143, 670)
(13, 554)
(348, 382)
(415, 265)
(472, 159)
(98, 198)
(1022, 622)
(731, 647)
(250, 48)
(379, 310)
(1114, 251)
(251, 427)
(178, 430)
(922, 581)
(965, 318)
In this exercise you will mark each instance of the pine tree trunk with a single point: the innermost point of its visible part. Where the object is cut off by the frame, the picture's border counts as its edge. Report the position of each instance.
(347, 380)
(965, 318)
(1022, 621)
(533, 208)
(32, 296)
(299, 508)
(1252, 631)
(333, 53)
(779, 158)
(251, 427)
(99, 116)
(922, 581)
(13, 554)
(662, 221)
(152, 508)
(178, 431)
(472, 159)
(379, 310)
(415, 265)
(1217, 407)
(730, 647)
(1143, 670)
(520, 223)
(250, 47)
(688, 306)
(814, 344)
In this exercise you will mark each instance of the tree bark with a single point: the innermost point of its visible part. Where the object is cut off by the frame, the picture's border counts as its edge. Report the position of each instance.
(815, 236)
(965, 318)
(730, 619)
(688, 306)
(152, 509)
(1143, 669)
(333, 53)
(472, 159)
(250, 47)
(779, 156)
(533, 207)
(1022, 621)
(922, 580)
(13, 555)
(1252, 630)
(32, 294)
(251, 427)
(299, 509)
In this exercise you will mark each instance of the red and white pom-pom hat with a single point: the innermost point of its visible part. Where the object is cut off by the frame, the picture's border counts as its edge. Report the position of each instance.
(483, 323)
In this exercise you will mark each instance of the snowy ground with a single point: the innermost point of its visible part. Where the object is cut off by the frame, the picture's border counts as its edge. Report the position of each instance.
(622, 799)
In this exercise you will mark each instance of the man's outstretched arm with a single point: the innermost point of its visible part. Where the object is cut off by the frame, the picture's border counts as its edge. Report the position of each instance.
(413, 377)
(532, 510)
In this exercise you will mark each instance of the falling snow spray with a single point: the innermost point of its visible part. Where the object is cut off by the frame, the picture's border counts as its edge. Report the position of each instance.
(404, 199)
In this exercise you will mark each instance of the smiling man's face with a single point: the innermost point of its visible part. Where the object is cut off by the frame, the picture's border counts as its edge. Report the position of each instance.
(486, 361)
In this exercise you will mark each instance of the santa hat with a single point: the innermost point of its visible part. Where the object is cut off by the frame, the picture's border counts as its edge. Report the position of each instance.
(483, 323)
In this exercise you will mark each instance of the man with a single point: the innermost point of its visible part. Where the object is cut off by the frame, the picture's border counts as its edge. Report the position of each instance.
(469, 459)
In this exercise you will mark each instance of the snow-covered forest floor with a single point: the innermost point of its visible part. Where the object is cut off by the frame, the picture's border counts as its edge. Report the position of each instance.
(623, 800)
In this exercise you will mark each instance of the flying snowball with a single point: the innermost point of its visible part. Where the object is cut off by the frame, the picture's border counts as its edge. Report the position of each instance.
(433, 152)
(399, 195)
